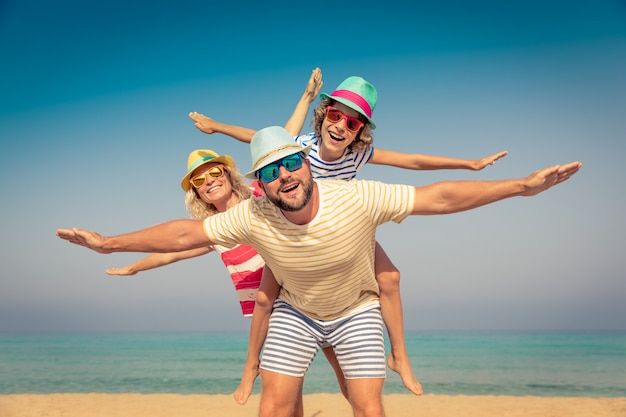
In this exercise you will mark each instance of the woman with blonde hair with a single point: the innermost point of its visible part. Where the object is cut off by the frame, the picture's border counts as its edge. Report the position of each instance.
(212, 184)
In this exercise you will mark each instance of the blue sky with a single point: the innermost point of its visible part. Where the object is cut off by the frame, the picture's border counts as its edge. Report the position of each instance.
(94, 133)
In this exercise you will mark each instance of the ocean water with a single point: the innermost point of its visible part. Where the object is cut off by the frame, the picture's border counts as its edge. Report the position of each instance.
(497, 363)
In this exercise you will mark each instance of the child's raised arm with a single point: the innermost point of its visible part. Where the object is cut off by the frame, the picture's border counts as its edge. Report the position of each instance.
(431, 162)
(243, 134)
(210, 126)
(313, 86)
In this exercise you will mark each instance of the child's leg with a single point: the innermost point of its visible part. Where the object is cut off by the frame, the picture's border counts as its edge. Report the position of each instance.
(268, 291)
(332, 359)
(388, 278)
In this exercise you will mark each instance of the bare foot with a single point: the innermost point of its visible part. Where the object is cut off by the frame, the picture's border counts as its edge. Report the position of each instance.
(243, 391)
(403, 368)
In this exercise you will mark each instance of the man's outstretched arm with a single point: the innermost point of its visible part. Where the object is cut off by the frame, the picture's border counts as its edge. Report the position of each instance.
(454, 196)
(172, 236)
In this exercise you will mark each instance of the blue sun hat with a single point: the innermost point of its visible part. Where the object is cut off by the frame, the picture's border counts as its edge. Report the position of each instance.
(271, 144)
(358, 94)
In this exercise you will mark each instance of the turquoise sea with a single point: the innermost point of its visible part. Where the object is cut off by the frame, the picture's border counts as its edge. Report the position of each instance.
(506, 363)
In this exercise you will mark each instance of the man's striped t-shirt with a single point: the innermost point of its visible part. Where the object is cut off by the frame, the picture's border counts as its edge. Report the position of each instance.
(325, 267)
(344, 168)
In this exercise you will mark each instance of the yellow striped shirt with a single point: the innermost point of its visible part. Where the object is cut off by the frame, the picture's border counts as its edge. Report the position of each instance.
(325, 267)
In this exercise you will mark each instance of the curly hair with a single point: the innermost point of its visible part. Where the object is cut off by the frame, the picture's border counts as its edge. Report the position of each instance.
(363, 139)
(199, 210)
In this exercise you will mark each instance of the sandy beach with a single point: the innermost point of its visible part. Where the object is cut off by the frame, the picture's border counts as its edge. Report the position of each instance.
(315, 405)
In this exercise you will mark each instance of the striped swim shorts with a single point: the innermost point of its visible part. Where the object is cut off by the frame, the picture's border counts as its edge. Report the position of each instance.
(293, 339)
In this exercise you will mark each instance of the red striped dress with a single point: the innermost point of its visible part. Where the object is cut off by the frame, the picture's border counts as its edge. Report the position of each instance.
(245, 267)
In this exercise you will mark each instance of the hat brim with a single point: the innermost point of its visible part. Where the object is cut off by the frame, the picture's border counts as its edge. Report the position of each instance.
(275, 157)
(222, 159)
(350, 104)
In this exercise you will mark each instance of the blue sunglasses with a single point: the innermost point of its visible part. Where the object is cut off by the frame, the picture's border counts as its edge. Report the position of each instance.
(271, 172)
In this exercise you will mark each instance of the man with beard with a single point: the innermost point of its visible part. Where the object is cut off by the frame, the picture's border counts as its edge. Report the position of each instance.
(318, 239)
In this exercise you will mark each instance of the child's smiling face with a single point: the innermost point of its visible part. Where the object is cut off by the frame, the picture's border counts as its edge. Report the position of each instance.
(336, 137)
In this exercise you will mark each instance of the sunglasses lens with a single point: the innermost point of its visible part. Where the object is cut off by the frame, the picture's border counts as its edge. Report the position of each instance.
(269, 173)
(292, 163)
(215, 172)
(197, 181)
(353, 124)
(333, 115)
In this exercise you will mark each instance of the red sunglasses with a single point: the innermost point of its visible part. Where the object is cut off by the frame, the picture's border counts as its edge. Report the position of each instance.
(353, 124)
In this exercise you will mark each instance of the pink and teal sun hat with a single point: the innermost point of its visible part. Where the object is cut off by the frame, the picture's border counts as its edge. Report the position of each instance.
(358, 94)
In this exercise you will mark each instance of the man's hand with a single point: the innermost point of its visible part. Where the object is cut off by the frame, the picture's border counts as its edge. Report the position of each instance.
(314, 85)
(489, 160)
(86, 238)
(543, 179)
(203, 123)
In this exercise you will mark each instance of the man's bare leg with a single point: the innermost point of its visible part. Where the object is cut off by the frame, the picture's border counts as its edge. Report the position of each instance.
(299, 405)
(332, 359)
(366, 396)
(279, 394)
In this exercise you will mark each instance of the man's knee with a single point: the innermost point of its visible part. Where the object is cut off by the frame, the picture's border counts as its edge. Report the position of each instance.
(371, 406)
(371, 410)
(271, 408)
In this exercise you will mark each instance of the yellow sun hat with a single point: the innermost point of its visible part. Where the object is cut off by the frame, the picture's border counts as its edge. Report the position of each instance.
(200, 157)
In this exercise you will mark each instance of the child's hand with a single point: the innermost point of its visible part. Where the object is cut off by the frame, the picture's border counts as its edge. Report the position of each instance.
(489, 160)
(314, 85)
(123, 271)
(203, 123)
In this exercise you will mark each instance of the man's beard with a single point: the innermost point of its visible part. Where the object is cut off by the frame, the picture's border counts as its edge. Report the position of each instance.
(286, 206)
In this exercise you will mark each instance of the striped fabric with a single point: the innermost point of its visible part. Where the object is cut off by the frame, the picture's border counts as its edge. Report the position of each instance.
(326, 267)
(293, 339)
(344, 168)
(245, 266)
